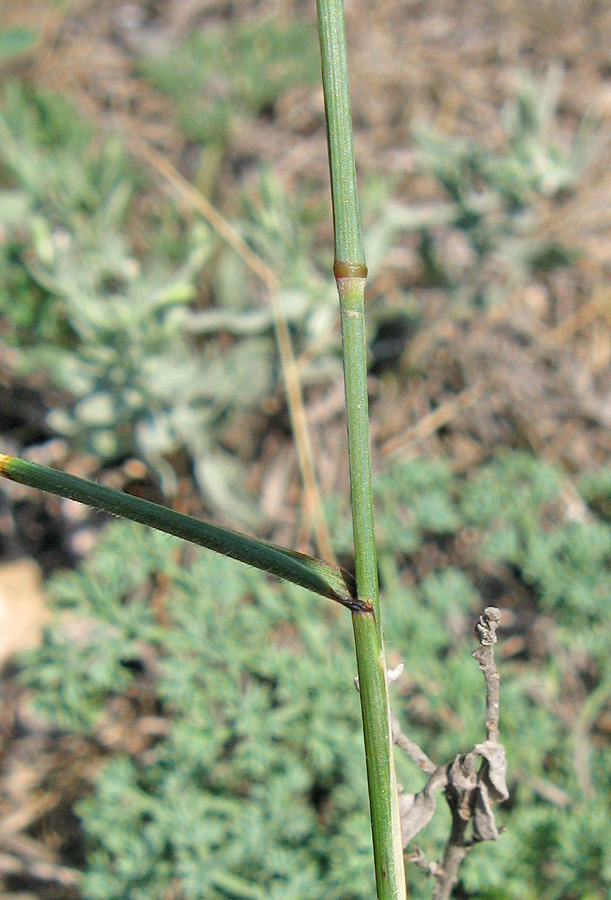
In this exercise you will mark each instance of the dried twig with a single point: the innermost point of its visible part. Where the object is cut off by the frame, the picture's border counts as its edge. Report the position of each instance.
(11, 864)
(471, 782)
(411, 749)
(433, 421)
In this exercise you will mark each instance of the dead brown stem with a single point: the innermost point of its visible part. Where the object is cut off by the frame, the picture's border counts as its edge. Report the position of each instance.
(471, 782)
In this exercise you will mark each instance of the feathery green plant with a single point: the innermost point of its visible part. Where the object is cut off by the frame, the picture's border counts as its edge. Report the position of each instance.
(260, 749)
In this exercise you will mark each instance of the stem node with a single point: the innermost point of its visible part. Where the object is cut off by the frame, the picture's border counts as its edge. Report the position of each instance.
(343, 269)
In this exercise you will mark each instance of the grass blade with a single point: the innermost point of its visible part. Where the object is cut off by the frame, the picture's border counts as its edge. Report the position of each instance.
(306, 571)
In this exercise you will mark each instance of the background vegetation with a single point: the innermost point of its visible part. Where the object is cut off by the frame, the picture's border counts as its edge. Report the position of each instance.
(205, 740)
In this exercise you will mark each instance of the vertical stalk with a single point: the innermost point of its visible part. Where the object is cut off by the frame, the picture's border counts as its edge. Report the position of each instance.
(350, 273)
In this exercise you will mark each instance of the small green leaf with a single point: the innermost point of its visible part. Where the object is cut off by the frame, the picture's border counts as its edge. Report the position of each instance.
(16, 41)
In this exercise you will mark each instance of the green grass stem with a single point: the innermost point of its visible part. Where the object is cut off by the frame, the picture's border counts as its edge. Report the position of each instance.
(316, 575)
(351, 272)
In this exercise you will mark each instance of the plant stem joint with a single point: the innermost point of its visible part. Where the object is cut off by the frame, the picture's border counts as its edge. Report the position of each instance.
(342, 269)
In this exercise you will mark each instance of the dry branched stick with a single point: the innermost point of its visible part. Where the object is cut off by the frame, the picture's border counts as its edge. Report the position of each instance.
(484, 655)
(471, 782)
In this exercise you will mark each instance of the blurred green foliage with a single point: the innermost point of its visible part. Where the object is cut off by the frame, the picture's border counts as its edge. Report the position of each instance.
(219, 78)
(16, 41)
(102, 294)
(258, 789)
(116, 328)
(492, 232)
